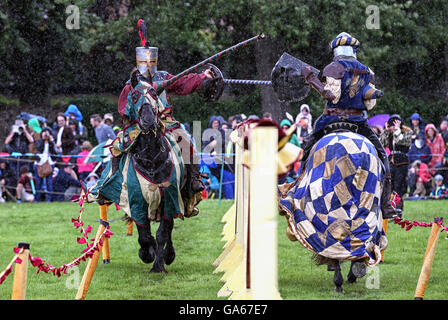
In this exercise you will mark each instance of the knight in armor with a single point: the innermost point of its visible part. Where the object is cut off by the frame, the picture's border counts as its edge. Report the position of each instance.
(349, 88)
(146, 61)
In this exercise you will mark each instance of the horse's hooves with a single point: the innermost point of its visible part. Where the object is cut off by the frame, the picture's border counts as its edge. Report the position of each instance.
(106, 261)
(351, 278)
(170, 255)
(338, 290)
(146, 256)
(158, 270)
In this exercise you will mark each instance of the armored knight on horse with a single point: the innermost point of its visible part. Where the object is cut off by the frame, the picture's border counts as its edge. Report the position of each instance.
(349, 89)
(336, 206)
(153, 174)
(146, 60)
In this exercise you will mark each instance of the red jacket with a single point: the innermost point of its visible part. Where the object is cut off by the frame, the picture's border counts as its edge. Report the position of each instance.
(437, 147)
(424, 174)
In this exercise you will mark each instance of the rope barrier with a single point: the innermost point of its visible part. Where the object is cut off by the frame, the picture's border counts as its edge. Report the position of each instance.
(408, 225)
(8, 269)
(92, 245)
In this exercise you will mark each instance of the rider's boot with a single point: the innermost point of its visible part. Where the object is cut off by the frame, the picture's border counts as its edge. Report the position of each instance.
(194, 177)
(386, 208)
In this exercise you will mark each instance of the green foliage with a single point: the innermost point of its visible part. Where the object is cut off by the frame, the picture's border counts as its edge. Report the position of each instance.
(36, 49)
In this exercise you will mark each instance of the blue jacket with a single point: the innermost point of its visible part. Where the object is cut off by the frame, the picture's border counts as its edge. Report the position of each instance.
(61, 183)
(423, 154)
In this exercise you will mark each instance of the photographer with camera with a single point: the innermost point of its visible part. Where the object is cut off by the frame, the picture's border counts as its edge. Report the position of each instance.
(43, 169)
(18, 141)
(398, 139)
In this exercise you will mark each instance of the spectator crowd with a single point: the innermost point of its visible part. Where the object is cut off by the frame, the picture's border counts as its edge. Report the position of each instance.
(44, 161)
(47, 161)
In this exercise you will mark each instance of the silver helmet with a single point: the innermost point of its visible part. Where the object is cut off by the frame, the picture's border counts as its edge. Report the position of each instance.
(146, 56)
(344, 45)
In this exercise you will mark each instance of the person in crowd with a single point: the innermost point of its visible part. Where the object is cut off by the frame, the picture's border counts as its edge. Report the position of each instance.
(397, 137)
(378, 130)
(91, 179)
(109, 119)
(439, 190)
(267, 115)
(18, 141)
(443, 130)
(285, 124)
(419, 150)
(84, 169)
(79, 139)
(419, 179)
(211, 183)
(225, 126)
(437, 146)
(102, 131)
(213, 138)
(35, 131)
(8, 180)
(74, 113)
(65, 140)
(253, 117)
(24, 191)
(417, 125)
(45, 147)
(236, 120)
(305, 113)
(303, 130)
(66, 184)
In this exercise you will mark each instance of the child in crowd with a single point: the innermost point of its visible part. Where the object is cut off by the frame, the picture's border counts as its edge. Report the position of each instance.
(84, 169)
(439, 190)
(25, 186)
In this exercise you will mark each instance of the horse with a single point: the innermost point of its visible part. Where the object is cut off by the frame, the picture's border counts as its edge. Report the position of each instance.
(150, 181)
(332, 208)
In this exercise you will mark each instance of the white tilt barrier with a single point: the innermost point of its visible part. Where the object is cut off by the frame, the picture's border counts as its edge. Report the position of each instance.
(249, 258)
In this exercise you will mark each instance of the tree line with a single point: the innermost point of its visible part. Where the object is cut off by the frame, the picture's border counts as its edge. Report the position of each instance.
(43, 55)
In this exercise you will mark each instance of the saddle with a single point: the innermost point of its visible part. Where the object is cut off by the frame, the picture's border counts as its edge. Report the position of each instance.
(340, 126)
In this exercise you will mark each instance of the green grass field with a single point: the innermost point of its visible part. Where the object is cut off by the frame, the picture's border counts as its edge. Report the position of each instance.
(198, 243)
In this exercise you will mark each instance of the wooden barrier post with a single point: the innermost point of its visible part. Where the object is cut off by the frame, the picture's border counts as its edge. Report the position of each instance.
(427, 262)
(106, 247)
(130, 228)
(21, 273)
(385, 223)
(93, 262)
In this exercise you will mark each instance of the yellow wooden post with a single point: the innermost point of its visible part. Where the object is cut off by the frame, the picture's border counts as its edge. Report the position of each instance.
(130, 227)
(106, 247)
(385, 223)
(427, 262)
(93, 262)
(21, 273)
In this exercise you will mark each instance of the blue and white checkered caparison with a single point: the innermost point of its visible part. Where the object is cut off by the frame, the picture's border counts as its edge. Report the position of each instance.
(334, 209)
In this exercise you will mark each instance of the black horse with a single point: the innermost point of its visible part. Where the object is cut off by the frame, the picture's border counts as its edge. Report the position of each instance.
(153, 159)
(151, 178)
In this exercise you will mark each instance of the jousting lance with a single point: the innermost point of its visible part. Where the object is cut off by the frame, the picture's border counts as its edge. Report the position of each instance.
(249, 82)
(214, 57)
